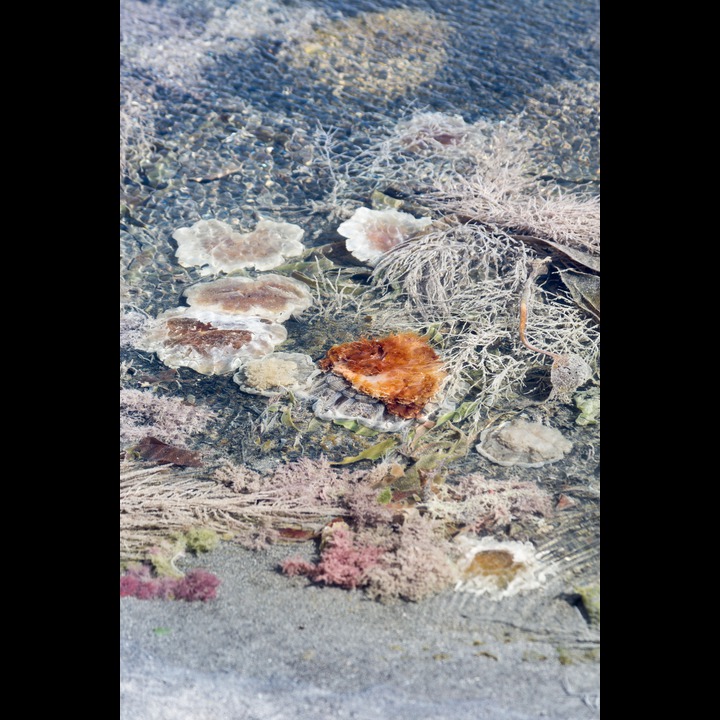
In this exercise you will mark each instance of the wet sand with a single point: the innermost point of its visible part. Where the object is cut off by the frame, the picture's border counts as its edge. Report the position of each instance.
(273, 647)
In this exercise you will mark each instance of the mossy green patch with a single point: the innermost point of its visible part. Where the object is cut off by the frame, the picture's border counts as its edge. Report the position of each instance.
(372, 453)
(588, 402)
(200, 540)
(196, 540)
(590, 596)
(385, 496)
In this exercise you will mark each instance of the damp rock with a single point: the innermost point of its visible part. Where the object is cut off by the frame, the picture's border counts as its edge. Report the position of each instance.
(371, 233)
(275, 373)
(217, 247)
(524, 444)
(273, 297)
(497, 568)
(210, 343)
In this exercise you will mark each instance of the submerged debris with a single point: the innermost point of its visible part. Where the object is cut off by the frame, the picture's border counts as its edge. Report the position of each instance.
(585, 291)
(150, 448)
(568, 371)
(525, 444)
(457, 277)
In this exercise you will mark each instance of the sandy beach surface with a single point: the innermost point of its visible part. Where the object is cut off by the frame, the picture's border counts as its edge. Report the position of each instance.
(273, 647)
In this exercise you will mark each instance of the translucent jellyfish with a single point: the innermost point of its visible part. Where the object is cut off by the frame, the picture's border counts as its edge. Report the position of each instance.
(210, 343)
(371, 233)
(497, 568)
(432, 133)
(402, 371)
(273, 297)
(275, 373)
(218, 247)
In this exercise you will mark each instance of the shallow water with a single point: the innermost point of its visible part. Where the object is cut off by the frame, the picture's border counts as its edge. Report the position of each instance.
(234, 96)
(222, 104)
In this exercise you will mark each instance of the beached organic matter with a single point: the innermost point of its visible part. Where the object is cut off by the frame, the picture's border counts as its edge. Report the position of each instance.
(401, 370)
(460, 209)
(276, 373)
(524, 444)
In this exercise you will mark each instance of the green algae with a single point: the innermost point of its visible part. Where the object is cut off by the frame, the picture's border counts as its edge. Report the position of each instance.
(201, 540)
(385, 496)
(590, 597)
(588, 402)
(374, 452)
(195, 540)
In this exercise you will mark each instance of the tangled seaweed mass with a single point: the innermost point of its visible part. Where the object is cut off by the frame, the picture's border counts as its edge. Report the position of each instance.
(402, 370)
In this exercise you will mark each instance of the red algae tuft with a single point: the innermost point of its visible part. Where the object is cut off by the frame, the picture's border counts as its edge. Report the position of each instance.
(402, 371)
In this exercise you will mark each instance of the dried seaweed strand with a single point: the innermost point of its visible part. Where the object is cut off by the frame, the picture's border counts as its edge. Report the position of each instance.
(539, 267)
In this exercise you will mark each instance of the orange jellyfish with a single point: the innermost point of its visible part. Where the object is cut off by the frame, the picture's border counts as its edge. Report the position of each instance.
(402, 371)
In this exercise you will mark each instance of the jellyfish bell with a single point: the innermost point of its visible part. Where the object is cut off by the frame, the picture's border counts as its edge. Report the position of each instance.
(275, 373)
(273, 297)
(432, 133)
(208, 342)
(402, 371)
(498, 568)
(369, 234)
(217, 247)
(522, 443)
